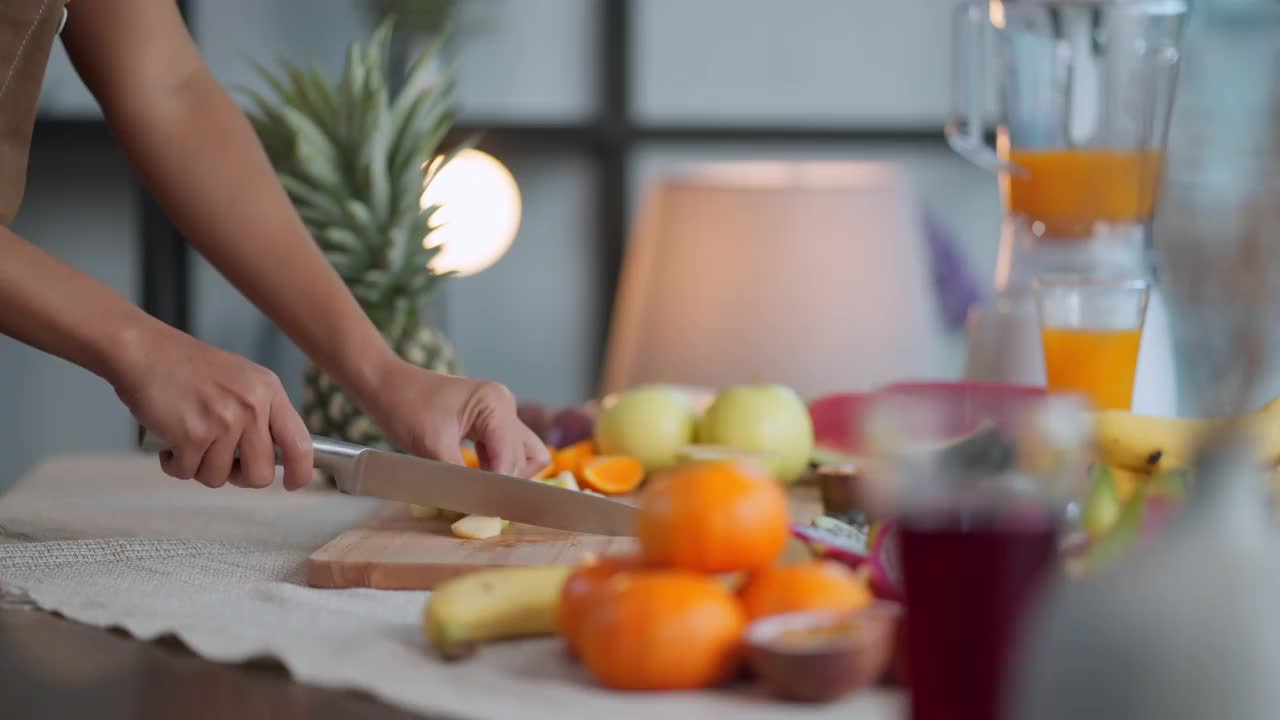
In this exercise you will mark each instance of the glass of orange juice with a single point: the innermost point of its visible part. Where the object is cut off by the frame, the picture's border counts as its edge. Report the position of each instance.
(1091, 328)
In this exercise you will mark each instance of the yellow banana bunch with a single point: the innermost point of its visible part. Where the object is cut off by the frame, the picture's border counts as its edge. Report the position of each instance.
(1148, 444)
(492, 605)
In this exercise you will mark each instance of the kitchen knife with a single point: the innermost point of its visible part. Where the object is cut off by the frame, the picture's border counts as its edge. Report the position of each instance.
(358, 470)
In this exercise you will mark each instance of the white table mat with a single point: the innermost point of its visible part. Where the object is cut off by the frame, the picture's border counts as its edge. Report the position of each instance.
(109, 541)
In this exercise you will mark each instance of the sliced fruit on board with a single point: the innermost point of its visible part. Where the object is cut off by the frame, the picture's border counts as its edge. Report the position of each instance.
(612, 474)
(470, 457)
(479, 527)
(566, 480)
(570, 459)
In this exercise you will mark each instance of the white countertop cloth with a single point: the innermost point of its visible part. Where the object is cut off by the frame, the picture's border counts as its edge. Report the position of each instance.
(108, 540)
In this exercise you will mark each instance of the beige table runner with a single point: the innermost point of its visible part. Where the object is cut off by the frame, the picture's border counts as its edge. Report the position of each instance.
(109, 541)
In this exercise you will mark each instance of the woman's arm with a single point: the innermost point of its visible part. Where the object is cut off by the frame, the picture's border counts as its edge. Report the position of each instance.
(198, 154)
(196, 397)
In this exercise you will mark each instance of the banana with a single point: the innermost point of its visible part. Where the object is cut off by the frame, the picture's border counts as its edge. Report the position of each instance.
(493, 604)
(1152, 444)
(1145, 444)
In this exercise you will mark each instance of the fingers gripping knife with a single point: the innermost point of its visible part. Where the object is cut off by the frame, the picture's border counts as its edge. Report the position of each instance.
(359, 470)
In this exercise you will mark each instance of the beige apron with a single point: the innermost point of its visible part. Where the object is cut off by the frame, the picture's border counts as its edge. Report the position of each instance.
(27, 31)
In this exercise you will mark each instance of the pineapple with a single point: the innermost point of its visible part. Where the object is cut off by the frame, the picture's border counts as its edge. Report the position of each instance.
(355, 157)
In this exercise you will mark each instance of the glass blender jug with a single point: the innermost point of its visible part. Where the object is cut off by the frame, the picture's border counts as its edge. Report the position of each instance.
(1080, 93)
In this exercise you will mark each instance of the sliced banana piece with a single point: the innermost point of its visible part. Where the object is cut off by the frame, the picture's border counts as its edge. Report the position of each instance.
(479, 527)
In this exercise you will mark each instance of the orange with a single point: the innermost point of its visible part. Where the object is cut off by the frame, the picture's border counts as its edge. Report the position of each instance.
(570, 458)
(581, 589)
(716, 517)
(815, 585)
(470, 457)
(612, 474)
(661, 630)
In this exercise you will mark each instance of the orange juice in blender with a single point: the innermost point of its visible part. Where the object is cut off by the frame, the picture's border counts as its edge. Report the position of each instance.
(1070, 191)
(1092, 329)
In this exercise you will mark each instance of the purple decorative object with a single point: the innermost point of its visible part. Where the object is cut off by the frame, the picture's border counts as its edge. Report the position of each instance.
(956, 288)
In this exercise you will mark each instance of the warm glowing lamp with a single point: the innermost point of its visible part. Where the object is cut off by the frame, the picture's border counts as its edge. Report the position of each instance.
(814, 275)
(478, 214)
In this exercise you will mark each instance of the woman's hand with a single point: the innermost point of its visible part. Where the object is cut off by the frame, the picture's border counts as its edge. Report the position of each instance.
(208, 404)
(430, 414)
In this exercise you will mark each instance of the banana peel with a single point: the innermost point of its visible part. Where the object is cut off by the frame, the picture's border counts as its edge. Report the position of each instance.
(489, 605)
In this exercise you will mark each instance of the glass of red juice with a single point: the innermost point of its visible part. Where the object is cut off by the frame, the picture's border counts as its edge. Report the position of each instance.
(983, 494)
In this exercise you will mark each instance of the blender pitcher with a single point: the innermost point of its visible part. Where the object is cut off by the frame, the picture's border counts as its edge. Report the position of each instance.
(1080, 92)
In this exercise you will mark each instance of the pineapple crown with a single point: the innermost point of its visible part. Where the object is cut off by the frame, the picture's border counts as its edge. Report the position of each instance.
(355, 158)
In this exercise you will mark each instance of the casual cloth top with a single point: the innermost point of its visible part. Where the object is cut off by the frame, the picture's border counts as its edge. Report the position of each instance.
(27, 31)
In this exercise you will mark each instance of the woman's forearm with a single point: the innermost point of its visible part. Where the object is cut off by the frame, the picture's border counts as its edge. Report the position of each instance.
(203, 160)
(52, 306)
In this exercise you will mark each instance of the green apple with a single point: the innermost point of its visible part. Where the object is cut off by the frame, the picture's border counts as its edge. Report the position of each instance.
(649, 423)
(768, 419)
(767, 462)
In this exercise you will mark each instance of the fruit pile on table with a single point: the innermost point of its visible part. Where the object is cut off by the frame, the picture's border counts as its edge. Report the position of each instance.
(724, 585)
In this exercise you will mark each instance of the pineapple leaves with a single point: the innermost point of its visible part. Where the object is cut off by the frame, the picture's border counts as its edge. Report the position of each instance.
(313, 98)
(361, 221)
(415, 86)
(436, 166)
(378, 52)
(404, 319)
(346, 251)
(354, 155)
(312, 201)
(351, 90)
(374, 175)
(276, 85)
(315, 154)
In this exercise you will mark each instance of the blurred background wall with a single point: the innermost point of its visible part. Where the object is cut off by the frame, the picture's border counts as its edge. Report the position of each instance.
(829, 79)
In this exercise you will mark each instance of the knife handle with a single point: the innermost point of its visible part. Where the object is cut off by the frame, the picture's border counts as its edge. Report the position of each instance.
(335, 457)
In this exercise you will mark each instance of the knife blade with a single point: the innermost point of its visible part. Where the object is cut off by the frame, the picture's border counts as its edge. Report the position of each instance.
(363, 471)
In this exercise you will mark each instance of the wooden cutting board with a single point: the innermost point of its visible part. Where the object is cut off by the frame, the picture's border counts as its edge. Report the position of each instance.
(393, 550)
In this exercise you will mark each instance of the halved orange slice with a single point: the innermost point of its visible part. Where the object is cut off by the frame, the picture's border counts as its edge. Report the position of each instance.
(571, 458)
(612, 474)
